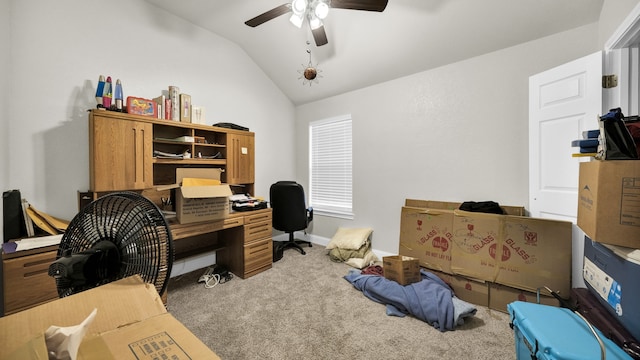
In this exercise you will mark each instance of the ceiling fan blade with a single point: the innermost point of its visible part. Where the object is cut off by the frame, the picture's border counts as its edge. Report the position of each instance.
(269, 15)
(368, 5)
(320, 36)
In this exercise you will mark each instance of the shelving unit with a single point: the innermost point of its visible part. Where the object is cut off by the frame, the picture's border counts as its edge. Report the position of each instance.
(122, 152)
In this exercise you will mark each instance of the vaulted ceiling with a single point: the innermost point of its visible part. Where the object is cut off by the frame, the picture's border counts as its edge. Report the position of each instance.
(366, 48)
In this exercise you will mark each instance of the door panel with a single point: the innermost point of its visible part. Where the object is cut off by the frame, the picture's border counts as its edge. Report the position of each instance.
(563, 102)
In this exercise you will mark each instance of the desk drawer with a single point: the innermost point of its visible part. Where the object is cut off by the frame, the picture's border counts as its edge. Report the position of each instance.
(257, 230)
(259, 217)
(258, 256)
(182, 231)
(233, 222)
(26, 282)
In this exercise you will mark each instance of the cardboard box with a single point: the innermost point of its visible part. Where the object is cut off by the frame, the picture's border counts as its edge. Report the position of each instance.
(402, 269)
(130, 315)
(500, 296)
(477, 237)
(492, 295)
(426, 234)
(470, 290)
(609, 201)
(522, 252)
(201, 203)
(536, 253)
(447, 205)
(426, 231)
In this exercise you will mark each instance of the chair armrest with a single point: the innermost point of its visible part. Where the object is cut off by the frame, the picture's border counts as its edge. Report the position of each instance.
(310, 214)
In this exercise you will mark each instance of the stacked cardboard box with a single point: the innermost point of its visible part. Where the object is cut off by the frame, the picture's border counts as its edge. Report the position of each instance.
(609, 215)
(609, 201)
(513, 255)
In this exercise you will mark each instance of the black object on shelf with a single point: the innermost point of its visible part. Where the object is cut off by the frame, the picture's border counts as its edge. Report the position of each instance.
(228, 125)
(14, 226)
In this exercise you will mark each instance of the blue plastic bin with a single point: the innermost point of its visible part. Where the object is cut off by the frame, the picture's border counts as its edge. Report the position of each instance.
(551, 333)
(613, 277)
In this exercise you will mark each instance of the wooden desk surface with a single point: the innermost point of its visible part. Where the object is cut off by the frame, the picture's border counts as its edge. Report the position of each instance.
(236, 218)
(21, 253)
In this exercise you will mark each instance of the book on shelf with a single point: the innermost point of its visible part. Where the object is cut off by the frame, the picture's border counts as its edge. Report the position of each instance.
(198, 115)
(185, 108)
(160, 100)
(174, 96)
(167, 109)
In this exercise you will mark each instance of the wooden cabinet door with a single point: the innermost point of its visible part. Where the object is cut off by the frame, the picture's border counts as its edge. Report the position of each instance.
(121, 154)
(240, 159)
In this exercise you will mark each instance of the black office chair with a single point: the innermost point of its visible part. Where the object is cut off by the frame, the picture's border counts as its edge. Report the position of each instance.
(290, 212)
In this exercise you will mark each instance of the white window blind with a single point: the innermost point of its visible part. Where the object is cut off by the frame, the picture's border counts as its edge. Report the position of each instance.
(331, 167)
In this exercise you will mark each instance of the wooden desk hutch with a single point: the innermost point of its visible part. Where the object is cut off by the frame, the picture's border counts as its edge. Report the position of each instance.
(121, 157)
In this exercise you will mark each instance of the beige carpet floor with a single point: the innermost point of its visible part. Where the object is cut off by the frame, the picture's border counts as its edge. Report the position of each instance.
(303, 308)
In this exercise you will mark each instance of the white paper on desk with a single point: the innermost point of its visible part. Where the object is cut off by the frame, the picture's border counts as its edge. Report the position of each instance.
(63, 342)
(38, 242)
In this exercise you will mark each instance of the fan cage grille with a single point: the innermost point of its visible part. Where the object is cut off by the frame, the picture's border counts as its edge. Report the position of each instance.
(138, 229)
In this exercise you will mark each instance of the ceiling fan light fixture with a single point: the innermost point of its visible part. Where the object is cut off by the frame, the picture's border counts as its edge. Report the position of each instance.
(314, 22)
(299, 7)
(321, 10)
(296, 20)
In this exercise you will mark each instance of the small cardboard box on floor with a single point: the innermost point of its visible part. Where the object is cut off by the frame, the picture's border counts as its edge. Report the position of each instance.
(517, 251)
(131, 323)
(404, 270)
(202, 197)
(609, 201)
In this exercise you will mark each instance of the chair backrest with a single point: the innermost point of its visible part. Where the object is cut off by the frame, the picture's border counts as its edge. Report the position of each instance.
(289, 206)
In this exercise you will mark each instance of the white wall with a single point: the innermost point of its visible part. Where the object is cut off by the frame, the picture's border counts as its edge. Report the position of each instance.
(455, 133)
(5, 21)
(58, 49)
(612, 14)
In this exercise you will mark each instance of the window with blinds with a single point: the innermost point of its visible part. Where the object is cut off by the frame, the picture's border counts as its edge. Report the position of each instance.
(330, 167)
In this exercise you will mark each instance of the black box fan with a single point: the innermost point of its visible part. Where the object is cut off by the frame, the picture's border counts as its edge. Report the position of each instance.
(118, 235)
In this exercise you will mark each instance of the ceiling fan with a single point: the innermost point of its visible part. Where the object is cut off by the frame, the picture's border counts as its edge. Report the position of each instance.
(314, 11)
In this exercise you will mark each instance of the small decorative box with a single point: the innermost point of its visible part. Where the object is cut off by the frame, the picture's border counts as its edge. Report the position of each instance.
(140, 106)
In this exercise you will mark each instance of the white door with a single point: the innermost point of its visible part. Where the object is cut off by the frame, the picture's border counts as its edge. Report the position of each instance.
(563, 102)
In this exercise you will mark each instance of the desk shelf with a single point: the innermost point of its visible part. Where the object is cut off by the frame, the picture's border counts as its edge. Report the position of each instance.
(195, 161)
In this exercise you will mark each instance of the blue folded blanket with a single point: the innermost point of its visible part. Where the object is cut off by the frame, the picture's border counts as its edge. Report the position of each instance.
(430, 300)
